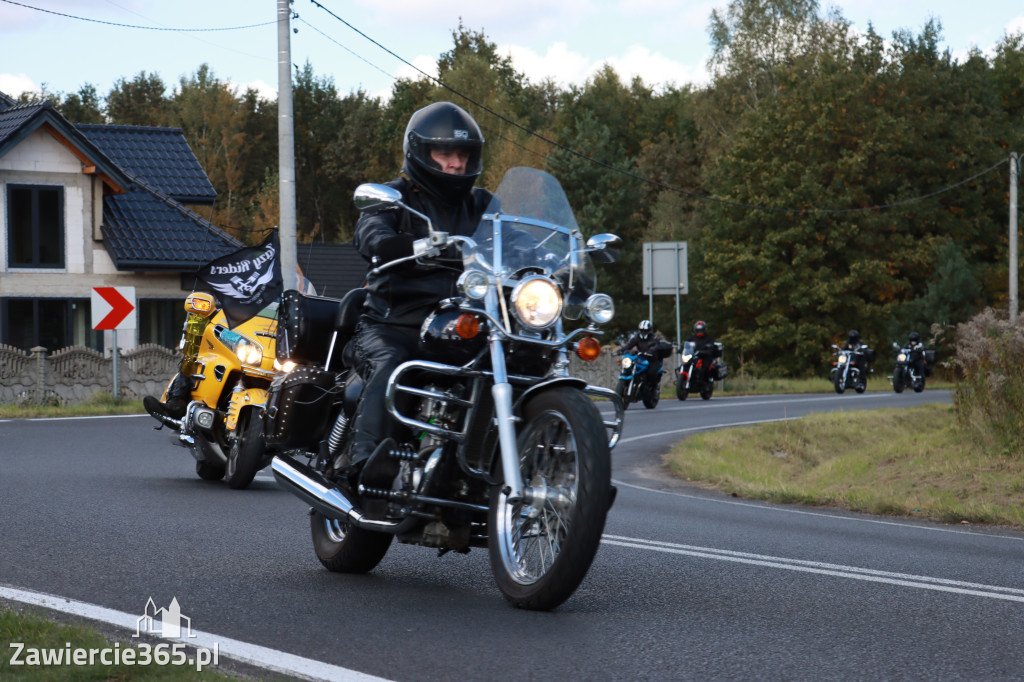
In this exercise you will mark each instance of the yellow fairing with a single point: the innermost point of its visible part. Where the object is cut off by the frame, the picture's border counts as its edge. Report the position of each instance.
(215, 362)
(250, 397)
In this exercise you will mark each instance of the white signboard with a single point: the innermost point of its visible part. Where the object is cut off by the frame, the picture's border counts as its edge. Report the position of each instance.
(665, 268)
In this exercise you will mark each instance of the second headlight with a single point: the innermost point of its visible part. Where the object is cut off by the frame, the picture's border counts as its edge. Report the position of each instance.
(537, 302)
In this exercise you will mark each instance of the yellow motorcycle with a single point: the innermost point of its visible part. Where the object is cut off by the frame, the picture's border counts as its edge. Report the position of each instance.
(228, 372)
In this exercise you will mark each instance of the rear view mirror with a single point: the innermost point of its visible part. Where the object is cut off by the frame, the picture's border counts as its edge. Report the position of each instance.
(371, 195)
(604, 248)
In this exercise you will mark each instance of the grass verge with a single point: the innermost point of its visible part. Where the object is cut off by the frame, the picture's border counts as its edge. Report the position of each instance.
(910, 462)
(99, 403)
(40, 634)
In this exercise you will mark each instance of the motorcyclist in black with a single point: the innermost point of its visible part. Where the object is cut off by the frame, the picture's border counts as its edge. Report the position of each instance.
(916, 353)
(443, 158)
(645, 341)
(701, 337)
(853, 342)
(703, 340)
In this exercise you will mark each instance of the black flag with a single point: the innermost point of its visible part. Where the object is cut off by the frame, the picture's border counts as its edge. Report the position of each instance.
(247, 280)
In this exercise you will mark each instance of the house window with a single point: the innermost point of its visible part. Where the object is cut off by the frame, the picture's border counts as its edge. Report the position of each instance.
(53, 323)
(35, 226)
(161, 321)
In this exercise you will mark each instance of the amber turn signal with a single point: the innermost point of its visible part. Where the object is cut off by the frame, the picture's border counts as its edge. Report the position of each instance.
(467, 326)
(200, 303)
(588, 348)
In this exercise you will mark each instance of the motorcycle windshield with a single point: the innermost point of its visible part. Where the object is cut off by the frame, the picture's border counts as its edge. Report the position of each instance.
(529, 224)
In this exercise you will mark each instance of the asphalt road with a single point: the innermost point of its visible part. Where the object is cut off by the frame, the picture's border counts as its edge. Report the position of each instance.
(688, 584)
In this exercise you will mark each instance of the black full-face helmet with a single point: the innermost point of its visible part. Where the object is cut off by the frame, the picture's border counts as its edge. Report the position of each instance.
(446, 126)
(914, 337)
(853, 336)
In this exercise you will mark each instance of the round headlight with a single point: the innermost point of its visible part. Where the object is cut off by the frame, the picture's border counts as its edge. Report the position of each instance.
(627, 362)
(473, 284)
(599, 308)
(842, 359)
(902, 357)
(537, 302)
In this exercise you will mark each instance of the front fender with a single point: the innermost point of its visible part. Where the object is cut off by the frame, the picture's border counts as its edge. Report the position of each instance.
(249, 397)
(614, 425)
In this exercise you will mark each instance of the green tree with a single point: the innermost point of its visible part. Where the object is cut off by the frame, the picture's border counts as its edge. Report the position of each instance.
(83, 106)
(140, 101)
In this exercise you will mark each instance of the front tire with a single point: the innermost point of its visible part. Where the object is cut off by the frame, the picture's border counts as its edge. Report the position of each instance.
(209, 472)
(540, 554)
(622, 388)
(245, 458)
(652, 395)
(897, 380)
(681, 391)
(343, 548)
(839, 382)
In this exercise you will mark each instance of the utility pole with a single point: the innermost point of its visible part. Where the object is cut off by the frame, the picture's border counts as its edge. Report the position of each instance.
(286, 145)
(1014, 171)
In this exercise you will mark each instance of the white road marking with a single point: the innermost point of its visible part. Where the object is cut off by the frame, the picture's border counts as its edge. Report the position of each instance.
(835, 570)
(252, 654)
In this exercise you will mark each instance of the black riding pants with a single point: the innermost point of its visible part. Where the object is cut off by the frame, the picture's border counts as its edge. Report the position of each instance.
(379, 349)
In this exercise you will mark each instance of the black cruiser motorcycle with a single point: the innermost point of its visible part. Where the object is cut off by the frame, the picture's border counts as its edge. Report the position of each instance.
(499, 446)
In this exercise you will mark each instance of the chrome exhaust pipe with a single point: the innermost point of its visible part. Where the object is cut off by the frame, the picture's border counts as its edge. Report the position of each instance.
(322, 495)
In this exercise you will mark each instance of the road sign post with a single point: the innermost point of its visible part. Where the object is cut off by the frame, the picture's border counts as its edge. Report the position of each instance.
(666, 272)
(113, 308)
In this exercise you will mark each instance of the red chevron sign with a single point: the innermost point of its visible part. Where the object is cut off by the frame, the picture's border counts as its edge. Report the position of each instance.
(113, 308)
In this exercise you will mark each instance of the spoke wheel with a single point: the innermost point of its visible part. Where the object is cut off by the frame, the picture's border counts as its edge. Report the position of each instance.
(540, 551)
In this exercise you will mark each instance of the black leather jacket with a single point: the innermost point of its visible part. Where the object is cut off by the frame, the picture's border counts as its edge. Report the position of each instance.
(406, 294)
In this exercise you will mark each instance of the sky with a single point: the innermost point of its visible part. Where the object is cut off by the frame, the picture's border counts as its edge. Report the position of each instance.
(664, 42)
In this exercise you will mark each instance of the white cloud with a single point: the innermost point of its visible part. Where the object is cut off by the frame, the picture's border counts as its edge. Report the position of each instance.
(423, 63)
(1016, 25)
(559, 64)
(15, 84)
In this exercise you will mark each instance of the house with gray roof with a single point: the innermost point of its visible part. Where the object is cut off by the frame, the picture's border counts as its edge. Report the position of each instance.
(85, 206)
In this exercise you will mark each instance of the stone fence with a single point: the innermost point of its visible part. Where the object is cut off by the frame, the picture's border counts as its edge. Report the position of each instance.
(72, 375)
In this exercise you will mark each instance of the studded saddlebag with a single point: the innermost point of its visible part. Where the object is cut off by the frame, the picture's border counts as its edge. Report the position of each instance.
(298, 407)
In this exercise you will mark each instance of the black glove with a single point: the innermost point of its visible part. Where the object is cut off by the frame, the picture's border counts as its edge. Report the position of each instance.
(395, 247)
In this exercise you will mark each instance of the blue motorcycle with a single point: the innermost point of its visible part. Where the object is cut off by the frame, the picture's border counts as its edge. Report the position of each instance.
(636, 383)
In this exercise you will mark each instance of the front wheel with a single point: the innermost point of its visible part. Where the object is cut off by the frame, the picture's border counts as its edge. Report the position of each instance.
(622, 388)
(343, 548)
(245, 457)
(840, 382)
(897, 380)
(652, 394)
(209, 471)
(681, 391)
(541, 548)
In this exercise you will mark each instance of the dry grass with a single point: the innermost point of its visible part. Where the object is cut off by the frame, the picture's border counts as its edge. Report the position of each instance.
(911, 462)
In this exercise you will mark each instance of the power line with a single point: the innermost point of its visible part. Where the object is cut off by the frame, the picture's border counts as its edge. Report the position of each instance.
(629, 173)
(146, 28)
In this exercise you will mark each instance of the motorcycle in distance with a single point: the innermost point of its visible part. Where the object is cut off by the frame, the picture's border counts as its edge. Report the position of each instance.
(698, 370)
(229, 371)
(496, 444)
(905, 374)
(635, 384)
(845, 372)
